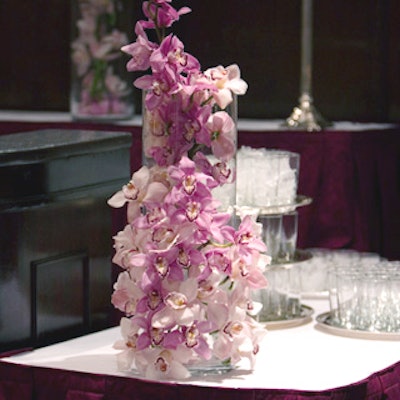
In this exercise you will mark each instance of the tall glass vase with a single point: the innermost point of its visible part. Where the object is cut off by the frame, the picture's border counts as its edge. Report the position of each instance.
(100, 87)
(158, 145)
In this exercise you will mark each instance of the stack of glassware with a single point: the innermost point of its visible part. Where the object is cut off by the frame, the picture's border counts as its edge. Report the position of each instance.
(266, 179)
(267, 182)
(365, 297)
(314, 272)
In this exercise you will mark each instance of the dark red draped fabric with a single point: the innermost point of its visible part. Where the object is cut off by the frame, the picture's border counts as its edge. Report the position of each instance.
(18, 382)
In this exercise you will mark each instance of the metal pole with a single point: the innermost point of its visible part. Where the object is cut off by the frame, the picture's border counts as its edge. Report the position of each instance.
(306, 46)
(305, 116)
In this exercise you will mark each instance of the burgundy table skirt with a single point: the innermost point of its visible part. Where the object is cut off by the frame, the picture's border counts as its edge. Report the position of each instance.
(352, 176)
(18, 382)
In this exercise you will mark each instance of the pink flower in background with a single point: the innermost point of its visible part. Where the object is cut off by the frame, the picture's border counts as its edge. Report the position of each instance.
(108, 47)
(81, 57)
(96, 47)
(115, 85)
(87, 28)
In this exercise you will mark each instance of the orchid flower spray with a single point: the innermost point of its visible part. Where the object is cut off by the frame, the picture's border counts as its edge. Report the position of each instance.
(187, 274)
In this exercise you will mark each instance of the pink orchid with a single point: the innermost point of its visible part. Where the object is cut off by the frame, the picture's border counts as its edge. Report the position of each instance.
(80, 57)
(109, 45)
(126, 294)
(236, 338)
(127, 344)
(123, 246)
(171, 54)
(188, 180)
(159, 87)
(162, 13)
(251, 273)
(157, 136)
(188, 256)
(91, 106)
(128, 245)
(247, 237)
(219, 260)
(139, 190)
(208, 289)
(180, 307)
(227, 81)
(221, 127)
(203, 215)
(167, 364)
(220, 171)
(194, 338)
(87, 28)
(164, 264)
(115, 85)
(141, 50)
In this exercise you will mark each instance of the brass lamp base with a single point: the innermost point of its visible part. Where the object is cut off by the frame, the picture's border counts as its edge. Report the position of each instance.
(306, 117)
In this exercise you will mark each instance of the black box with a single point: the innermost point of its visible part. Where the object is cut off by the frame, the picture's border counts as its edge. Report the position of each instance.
(56, 232)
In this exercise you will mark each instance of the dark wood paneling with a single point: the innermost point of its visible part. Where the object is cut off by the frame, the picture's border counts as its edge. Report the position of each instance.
(35, 64)
(56, 233)
(59, 296)
(394, 60)
(356, 53)
(55, 275)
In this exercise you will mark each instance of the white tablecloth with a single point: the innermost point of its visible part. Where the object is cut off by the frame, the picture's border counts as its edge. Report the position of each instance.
(300, 357)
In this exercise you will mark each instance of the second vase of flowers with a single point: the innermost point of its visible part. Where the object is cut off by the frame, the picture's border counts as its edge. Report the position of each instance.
(100, 89)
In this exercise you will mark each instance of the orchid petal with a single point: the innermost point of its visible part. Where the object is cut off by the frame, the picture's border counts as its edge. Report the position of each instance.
(117, 200)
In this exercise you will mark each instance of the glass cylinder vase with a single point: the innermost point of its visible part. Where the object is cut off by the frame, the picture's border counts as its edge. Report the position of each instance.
(100, 85)
(164, 133)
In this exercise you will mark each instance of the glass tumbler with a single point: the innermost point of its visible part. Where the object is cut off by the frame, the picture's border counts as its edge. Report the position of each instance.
(288, 237)
(271, 234)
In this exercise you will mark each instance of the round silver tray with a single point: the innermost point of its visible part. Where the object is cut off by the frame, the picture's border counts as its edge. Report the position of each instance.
(304, 318)
(300, 201)
(324, 323)
(321, 295)
(299, 257)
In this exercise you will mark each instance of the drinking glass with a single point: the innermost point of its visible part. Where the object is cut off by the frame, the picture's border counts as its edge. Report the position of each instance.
(271, 234)
(288, 236)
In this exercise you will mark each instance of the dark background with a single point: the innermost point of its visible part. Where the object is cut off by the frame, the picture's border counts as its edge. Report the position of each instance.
(356, 71)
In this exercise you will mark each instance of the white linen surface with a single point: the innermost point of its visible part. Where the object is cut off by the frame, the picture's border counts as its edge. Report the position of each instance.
(300, 357)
